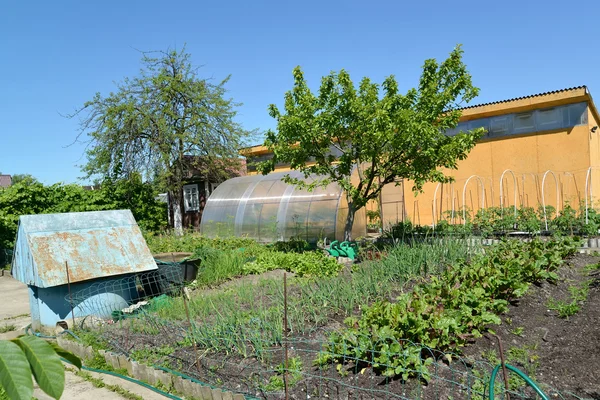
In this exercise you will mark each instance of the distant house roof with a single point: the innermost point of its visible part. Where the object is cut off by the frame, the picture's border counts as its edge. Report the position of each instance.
(215, 169)
(5, 180)
(94, 244)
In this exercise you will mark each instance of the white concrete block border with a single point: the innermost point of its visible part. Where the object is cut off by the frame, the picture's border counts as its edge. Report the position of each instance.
(186, 387)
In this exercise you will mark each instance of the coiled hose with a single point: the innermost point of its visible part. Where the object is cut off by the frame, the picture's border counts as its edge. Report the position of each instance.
(520, 374)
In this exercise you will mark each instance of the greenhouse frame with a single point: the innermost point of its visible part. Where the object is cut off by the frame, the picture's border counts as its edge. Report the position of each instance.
(265, 208)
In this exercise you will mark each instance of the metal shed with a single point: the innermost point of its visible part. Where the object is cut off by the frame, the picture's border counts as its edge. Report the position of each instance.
(53, 250)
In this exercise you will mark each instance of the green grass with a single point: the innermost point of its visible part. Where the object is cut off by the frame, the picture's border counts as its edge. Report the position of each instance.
(190, 241)
(524, 357)
(16, 316)
(218, 267)
(7, 328)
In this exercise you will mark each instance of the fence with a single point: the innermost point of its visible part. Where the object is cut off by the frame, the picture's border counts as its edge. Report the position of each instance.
(256, 364)
(507, 189)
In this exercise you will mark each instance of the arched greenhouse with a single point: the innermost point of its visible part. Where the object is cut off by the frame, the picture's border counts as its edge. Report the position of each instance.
(265, 208)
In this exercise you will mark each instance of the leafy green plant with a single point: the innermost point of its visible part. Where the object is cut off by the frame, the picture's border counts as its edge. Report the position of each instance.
(292, 246)
(566, 222)
(494, 221)
(294, 370)
(448, 310)
(27, 355)
(32, 197)
(312, 263)
(218, 266)
(518, 331)
(373, 219)
(578, 295)
(528, 220)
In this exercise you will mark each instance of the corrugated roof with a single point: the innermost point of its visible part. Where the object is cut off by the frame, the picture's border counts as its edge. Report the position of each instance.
(525, 97)
(5, 180)
(94, 244)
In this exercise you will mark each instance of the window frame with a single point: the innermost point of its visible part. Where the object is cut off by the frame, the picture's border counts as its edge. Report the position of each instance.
(189, 205)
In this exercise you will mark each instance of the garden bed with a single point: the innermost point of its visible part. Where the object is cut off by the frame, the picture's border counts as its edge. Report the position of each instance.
(238, 332)
(561, 352)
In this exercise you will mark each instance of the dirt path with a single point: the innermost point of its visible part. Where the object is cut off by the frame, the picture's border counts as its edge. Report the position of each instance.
(14, 311)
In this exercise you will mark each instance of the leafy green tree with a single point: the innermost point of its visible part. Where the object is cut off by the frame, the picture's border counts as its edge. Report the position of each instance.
(153, 121)
(22, 198)
(23, 178)
(27, 355)
(27, 197)
(383, 134)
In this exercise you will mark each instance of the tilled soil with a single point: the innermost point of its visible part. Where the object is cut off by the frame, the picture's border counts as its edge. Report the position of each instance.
(561, 354)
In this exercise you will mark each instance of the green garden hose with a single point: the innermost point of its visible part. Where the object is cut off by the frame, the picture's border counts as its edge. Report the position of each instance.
(28, 331)
(520, 374)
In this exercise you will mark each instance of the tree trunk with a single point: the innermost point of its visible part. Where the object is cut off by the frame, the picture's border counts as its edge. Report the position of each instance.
(178, 193)
(349, 222)
(177, 214)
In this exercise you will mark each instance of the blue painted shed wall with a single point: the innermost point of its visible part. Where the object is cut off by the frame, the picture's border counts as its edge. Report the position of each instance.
(50, 305)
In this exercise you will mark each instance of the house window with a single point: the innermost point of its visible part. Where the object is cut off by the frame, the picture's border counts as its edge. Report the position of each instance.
(500, 126)
(480, 123)
(560, 117)
(550, 118)
(577, 114)
(523, 122)
(191, 201)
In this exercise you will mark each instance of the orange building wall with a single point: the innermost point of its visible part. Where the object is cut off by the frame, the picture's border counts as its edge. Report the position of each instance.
(594, 179)
(566, 153)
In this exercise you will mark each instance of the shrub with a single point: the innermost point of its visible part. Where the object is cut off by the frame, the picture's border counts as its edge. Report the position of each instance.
(312, 263)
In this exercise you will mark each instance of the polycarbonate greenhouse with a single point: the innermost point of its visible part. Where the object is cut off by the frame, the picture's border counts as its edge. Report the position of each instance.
(265, 208)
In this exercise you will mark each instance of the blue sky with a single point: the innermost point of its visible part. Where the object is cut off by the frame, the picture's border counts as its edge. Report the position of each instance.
(57, 55)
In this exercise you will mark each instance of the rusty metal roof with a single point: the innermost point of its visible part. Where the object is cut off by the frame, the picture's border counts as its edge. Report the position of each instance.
(93, 244)
(525, 97)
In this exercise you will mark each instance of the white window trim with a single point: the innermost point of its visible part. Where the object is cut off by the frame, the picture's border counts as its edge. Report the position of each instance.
(190, 193)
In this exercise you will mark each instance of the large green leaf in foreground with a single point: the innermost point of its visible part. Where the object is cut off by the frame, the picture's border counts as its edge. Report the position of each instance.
(15, 375)
(45, 364)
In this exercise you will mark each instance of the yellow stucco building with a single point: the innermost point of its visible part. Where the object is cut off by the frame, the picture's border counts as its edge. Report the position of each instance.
(538, 149)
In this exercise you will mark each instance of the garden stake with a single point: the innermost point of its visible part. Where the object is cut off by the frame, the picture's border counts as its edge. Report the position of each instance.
(441, 203)
(70, 295)
(504, 373)
(187, 313)
(285, 335)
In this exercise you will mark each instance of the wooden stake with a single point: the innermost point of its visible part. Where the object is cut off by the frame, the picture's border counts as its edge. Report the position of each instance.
(285, 335)
(70, 295)
(504, 373)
